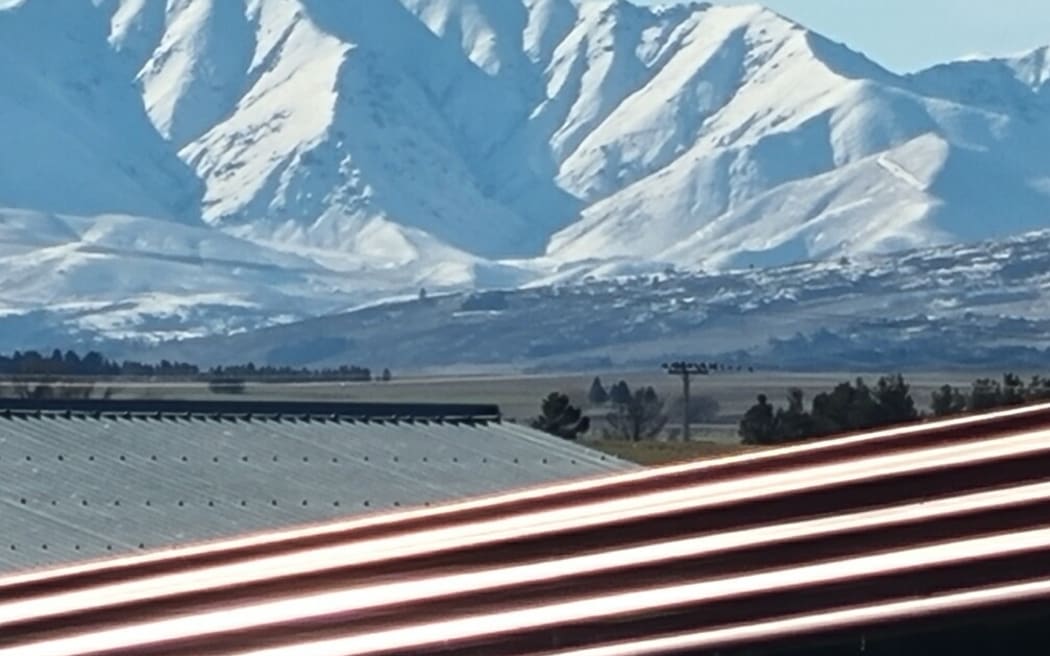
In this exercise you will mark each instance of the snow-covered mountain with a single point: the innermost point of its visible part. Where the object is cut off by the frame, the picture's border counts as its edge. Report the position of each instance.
(183, 167)
(582, 130)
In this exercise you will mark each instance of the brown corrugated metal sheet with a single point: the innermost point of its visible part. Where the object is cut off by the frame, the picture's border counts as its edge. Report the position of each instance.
(891, 526)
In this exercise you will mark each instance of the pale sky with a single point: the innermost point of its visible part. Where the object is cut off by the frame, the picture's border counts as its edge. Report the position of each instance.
(906, 35)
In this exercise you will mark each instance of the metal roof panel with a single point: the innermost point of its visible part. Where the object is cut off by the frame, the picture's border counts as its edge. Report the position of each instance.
(77, 488)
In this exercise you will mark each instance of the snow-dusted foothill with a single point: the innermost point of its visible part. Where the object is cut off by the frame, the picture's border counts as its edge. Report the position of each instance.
(981, 303)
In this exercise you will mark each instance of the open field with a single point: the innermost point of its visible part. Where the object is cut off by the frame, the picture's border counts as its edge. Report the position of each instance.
(519, 396)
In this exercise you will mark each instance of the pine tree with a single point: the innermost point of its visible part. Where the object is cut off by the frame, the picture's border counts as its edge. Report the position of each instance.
(620, 393)
(1013, 390)
(559, 417)
(947, 401)
(985, 394)
(597, 394)
(793, 423)
(893, 396)
(757, 425)
(1038, 389)
(848, 407)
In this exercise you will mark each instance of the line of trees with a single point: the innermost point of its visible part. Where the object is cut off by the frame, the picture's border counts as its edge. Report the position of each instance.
(850, 406)
(95, 365)
(632, 415)
(642, 414)
(856, 406)
(988, 394)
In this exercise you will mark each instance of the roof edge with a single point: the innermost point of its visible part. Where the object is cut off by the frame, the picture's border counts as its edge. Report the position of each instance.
(249, 408)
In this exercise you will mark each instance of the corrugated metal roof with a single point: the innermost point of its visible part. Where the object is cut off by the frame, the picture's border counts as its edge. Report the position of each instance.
(78, 486)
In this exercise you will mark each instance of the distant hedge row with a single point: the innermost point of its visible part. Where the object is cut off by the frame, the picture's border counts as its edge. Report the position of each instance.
(93, 364)
(857, 406)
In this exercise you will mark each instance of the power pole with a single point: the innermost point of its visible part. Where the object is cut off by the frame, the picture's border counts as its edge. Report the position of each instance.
(685, 370)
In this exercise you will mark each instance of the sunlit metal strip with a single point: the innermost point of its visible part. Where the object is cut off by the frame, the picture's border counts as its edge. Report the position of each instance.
(296, 607)
(408, 636)
(822, 623)
(516, 527)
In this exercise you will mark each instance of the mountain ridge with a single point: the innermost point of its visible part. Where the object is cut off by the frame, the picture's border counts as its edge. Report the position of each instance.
(515, 130)
(376, 148)
(541, 115)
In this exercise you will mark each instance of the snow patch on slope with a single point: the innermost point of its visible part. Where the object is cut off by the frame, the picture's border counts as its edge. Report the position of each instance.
(124, 277)
(199, 69)
(73, 133)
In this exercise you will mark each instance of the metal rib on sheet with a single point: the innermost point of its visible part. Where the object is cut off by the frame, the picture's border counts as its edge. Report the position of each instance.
(933, 519)
(76, 488)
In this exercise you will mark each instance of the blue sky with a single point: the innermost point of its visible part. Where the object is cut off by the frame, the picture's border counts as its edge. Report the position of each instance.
(905, 35)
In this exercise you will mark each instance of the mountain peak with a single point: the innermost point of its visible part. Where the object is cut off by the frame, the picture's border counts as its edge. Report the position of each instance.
(1014, 83)
(1032, 67)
